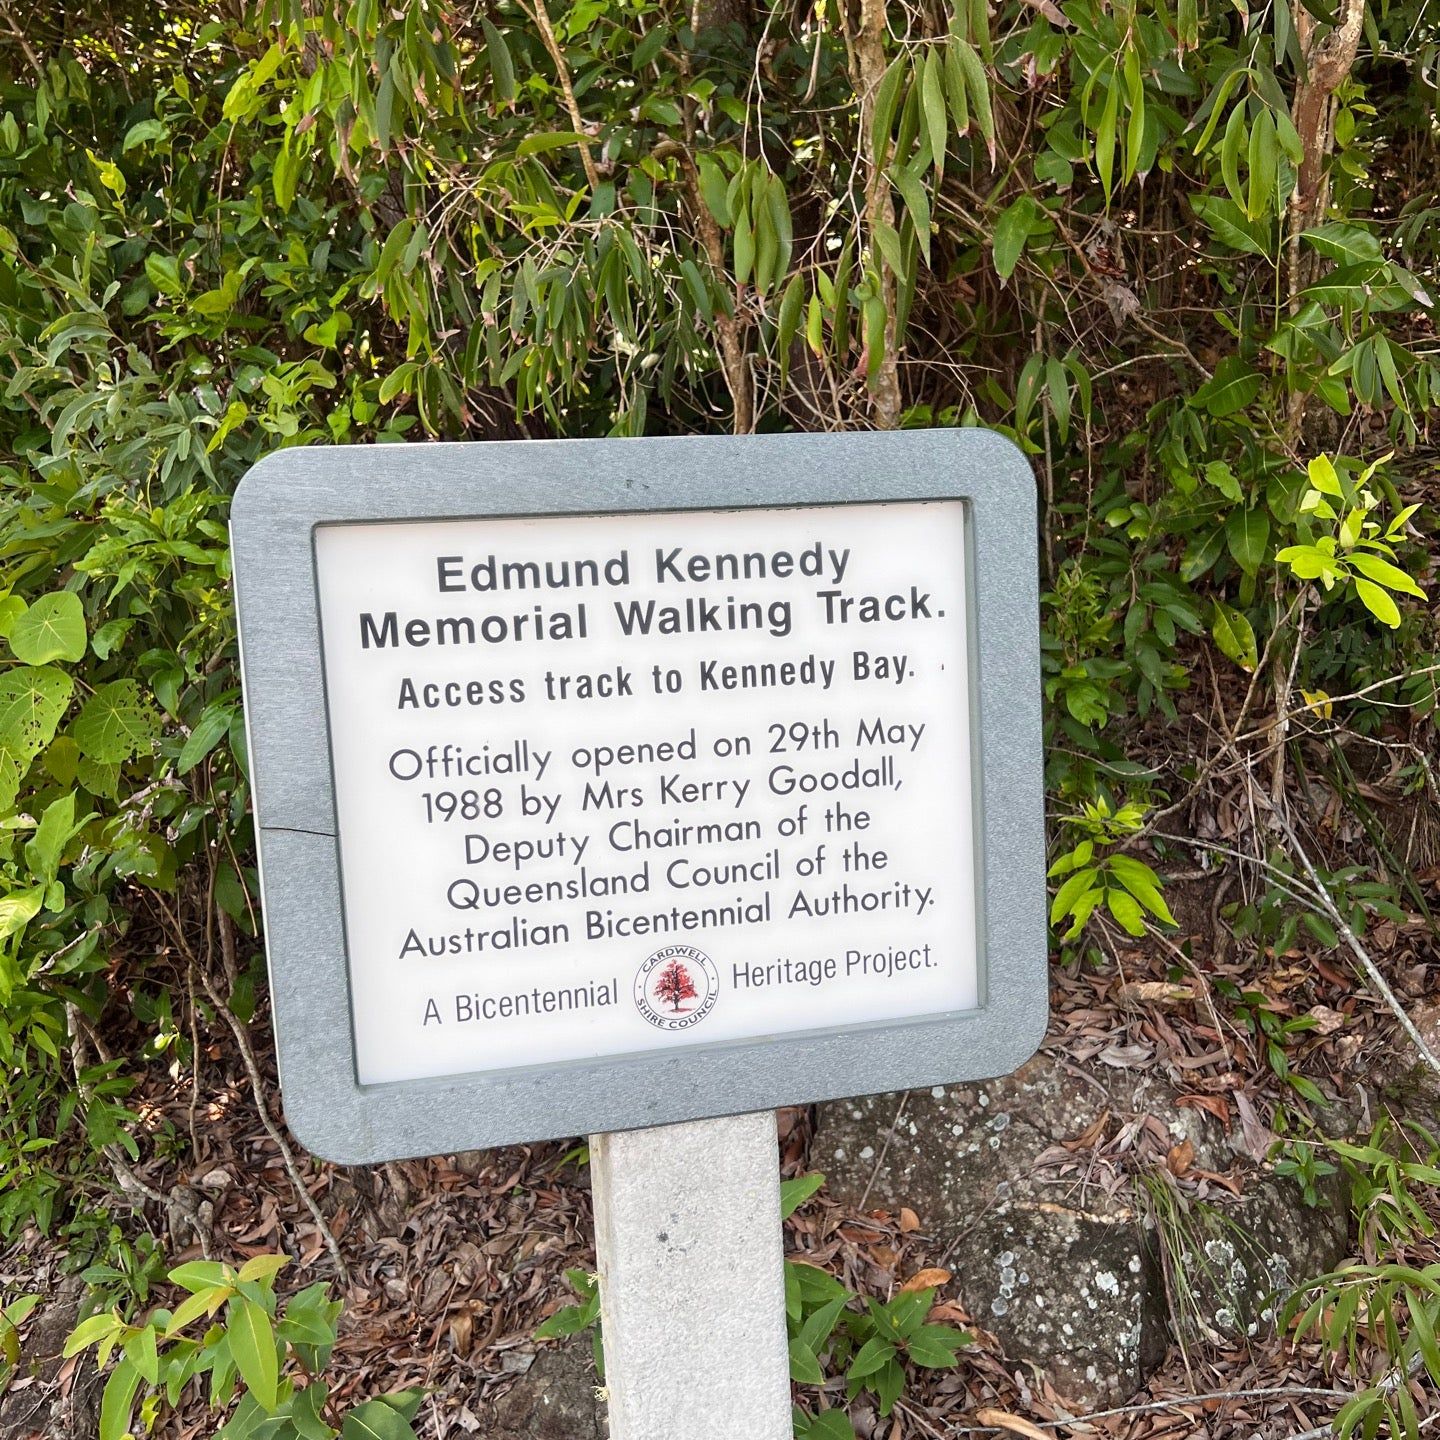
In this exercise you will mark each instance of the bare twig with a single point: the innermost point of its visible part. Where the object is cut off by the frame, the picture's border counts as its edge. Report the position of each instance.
(252, 1069)
(884, 1150)
(1342, 928)
(31, 57)
(1150, 1407)
(287, 1155)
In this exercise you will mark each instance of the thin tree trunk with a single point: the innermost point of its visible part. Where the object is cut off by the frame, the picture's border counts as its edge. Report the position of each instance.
(879, 204)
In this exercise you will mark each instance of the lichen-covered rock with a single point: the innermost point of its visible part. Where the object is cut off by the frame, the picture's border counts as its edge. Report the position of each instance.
(1233, 1265)
(556, 1399)
(1029, 1180)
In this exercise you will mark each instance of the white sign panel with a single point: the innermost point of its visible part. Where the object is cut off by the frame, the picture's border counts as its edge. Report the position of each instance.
(622, 783)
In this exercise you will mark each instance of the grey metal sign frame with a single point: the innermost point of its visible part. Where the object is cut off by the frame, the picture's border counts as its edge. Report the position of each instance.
(273, 519)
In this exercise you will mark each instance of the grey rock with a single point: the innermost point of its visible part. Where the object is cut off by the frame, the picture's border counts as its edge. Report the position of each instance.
(40, 1409)
(1233, 1265)
(556, 1399)
(1054, 1249)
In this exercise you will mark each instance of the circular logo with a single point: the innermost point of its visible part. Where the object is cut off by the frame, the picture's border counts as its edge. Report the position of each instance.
(676, 987)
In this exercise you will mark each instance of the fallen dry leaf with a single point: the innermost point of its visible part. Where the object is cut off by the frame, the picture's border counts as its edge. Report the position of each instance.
(1180, 1158)
(1216, 1105)
(926, 1280)
(909, 1220)
(1004, 1420)
(1153, 992)
(1327, 1021)
(1091, 1136)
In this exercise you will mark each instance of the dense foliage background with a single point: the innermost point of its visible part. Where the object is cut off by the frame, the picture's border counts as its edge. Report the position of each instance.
(1184, 253)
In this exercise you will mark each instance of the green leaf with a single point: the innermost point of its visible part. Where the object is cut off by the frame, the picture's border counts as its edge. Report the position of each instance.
(831, 1425)
(1247, 533)
(544, 140)
(932, 98)
(502, 68)
(713, 187)
(744, 246)
(307, 1412)
(263, 1267)
(871, 1356)
(202, 1302)
(1263, 159)
(18, 908)
(208, 732)
(818, 1326)
(933, 1353)
(1233, 387)
(406, 1402)
(141, 1352)
(567, 1320)
(1345, 244)
(283, 179)
(1201, 555)
(163, 272)
(375, 1420)
(116, 723)
(1012, 230)
(1323, 476)
(804, 1367)
(1105, 138)
(53, 628)
(142, 132)
(1070, 892)
(887, 96)
(56, 826)
(917, 203)
(1235, 636)
(1143, 883)
(1378, 602)
(1220, 475)
(12, 607)
(907, 1311)
(89, 1332)
(794, 1193)
(1230, 224)
(978, 84)
(1384, 573)
(252, 1346)
(891, 248)
(196, 1275)
(1126, 909)
(32, 701)
(118, 1400)
(888, 1385)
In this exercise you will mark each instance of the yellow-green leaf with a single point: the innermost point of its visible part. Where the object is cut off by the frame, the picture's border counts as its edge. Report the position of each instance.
(252, 1346)
(53, 628)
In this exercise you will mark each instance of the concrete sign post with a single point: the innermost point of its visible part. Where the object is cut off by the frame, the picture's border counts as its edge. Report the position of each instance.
(606, 785)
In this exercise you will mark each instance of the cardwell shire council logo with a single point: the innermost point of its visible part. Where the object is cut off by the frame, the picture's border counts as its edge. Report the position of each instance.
(676, 987)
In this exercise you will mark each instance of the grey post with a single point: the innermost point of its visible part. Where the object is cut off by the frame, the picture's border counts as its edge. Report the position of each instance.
(692, 1286)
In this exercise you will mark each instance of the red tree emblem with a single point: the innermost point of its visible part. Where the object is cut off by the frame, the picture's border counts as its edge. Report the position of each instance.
(674, 985)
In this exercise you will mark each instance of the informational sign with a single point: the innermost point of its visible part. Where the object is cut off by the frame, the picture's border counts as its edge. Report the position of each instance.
(607, 783)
